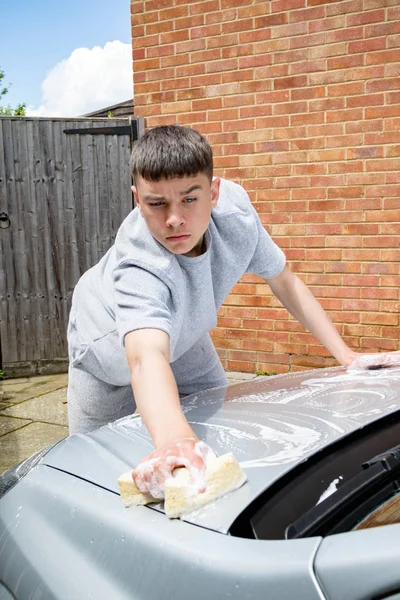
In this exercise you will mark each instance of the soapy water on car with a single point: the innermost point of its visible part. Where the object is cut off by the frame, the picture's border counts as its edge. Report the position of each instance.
(298, 419)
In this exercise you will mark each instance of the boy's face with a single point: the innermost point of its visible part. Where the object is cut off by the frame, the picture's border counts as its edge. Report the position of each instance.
(177, 211)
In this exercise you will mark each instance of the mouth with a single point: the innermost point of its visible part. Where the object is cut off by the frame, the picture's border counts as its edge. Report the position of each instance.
(178, 238)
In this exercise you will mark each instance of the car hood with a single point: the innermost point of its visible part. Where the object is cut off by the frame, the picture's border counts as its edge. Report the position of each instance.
(270, 424)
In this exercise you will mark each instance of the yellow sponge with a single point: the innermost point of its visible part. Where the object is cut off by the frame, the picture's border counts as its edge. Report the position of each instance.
(223, 475)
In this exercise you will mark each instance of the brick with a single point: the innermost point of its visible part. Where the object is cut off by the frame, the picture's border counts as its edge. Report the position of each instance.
(364, 127)
(327, 155)
(245, 124)
(189, 46)
(368, 45)
(254, 111)
(383, 165)
(141, 18)
(344, 140)
(384, 29)
(362, 18)
(325, 204)
(307, 143)
(345, 192)
(173, 61)
(345, 167)
(383, 57)
(365, 152)
(345, 62)
(327, 50)
(191, 117)
(346, 89)
(190, 70)
(205, 55)
(382, 111)
(307, 14)
(311, 93)
(365, 100)
(336, 22)
(146, 41)
(283, 5)
(393, 41)
(306, 41)
(229, 64)
(361, 255)
(381, 241)
(307, 169)
(202, 7)
(361, 305)
(188, 22)
(171, 37)
(271, 72)
(379, 318)
(137, 7)
(254, 61)
(237, 25)
(155, 5)
(236, 75)
(345, 115)
(365, 73)
(289, 57)
(219, 41)
(338, 8)
(258, 35)
(260, 8)
(290, 108)
(307, 66)
(293, 29)
(375, 344)
(138, 53)
(344, 35)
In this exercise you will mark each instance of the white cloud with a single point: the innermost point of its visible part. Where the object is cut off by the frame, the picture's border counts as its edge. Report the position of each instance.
(86, 81)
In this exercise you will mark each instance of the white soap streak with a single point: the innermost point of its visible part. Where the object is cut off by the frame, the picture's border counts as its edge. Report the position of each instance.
(331, 489)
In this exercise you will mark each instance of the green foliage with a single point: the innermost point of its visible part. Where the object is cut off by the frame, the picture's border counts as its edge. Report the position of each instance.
(267, 373)
(110, 115)
(7, 111)
(1, 374)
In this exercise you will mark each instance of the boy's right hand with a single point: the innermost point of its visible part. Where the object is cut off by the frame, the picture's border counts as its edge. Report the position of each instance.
(153, 471)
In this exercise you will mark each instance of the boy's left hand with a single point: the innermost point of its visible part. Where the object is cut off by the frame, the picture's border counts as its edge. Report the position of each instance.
(374, 361)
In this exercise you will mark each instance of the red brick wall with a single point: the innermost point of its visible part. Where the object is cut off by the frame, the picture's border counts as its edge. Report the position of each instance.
(301, 102)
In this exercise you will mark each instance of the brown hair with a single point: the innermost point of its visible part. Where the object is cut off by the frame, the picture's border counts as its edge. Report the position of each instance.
(170, 152)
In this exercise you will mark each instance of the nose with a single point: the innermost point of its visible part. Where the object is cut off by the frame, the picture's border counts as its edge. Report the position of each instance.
(175, 218)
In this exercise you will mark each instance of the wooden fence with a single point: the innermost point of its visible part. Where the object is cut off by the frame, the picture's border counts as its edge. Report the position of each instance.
(64, 191)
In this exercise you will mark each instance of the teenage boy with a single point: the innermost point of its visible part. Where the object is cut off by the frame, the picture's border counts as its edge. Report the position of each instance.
(139, 322)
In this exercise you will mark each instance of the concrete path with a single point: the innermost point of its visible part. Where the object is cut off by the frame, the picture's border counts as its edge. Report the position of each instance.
(33, 415)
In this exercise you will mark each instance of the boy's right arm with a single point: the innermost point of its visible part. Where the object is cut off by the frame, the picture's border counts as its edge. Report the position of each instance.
(157, 399)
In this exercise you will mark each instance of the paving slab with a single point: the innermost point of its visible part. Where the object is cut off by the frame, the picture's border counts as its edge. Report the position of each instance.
(25, 388)
(19, 444)
(3, 405)
(8, 424)
(48, 408)
(237, 376)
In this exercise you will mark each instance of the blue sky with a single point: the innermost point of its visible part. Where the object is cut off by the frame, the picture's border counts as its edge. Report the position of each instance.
(36, 35)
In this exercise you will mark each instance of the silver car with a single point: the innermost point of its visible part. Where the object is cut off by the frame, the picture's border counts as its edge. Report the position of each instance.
(315, 520)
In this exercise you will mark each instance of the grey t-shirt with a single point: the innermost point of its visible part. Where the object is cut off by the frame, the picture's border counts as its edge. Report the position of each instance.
(140, 284)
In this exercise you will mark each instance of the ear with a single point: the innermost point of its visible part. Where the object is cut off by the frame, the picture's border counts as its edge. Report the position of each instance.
(135, 196)
(215, 185)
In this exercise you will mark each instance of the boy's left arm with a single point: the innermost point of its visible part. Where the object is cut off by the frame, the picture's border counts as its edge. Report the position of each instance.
(299, 301)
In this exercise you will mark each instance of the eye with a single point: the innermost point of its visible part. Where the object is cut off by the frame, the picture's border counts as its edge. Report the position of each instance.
(156, 203)
(190, 200)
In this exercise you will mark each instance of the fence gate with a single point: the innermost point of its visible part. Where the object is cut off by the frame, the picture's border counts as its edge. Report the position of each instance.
(64, 191)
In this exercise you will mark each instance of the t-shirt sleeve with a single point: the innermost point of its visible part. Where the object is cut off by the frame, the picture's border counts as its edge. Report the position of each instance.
(142, 300)
(268, 259)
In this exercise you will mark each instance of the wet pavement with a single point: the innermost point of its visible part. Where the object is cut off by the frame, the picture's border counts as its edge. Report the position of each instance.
(33, 414)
